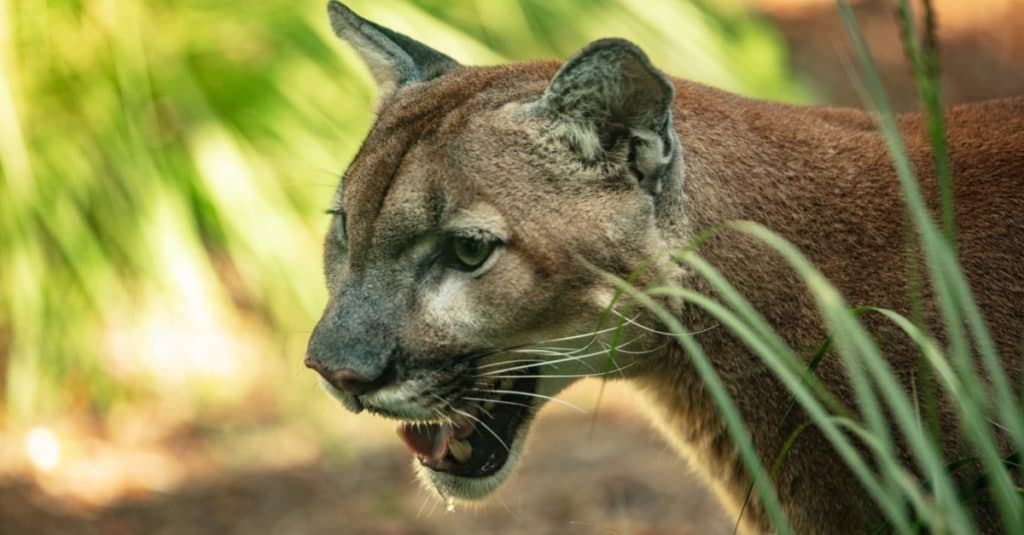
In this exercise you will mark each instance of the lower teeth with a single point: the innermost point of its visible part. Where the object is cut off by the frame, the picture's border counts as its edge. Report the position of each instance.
(460, 449)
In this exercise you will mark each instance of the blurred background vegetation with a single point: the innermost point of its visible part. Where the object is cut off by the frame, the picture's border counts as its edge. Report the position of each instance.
(166, 164)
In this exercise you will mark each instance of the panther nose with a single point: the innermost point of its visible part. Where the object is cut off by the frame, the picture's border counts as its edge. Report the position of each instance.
(351, 381)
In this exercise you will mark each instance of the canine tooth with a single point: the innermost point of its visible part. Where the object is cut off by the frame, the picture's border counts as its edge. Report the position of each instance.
(489, 405)
(507, 383)
(460, 449)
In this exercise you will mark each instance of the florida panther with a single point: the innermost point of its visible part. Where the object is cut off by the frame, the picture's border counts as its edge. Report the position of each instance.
(464, 255)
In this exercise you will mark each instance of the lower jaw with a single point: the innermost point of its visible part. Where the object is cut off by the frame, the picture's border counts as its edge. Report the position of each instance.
(465, 488)
(472, 487)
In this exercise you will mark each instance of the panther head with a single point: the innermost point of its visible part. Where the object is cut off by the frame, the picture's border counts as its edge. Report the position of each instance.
(469, 235)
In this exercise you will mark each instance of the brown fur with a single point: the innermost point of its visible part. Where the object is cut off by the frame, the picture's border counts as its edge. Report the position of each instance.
(821, 177)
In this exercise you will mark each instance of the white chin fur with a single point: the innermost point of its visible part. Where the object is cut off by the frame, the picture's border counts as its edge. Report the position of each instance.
(473, 488)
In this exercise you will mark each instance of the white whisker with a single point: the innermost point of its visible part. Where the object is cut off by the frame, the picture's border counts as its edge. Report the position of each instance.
(565, 359)
(642, 352)
(487, 427)
(530, 394)
(483, 410)
(542, 351)
(422, 505)
(501, 402)
(566, 376)
(632, 321)
(478, 420)
(577, 336)
(444, 418)
(503, 362)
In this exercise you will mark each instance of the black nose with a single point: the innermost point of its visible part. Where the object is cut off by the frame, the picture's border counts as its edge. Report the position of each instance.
(351, 381)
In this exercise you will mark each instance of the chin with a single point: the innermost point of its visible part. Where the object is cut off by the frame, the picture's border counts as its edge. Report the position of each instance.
(468, 488)
(472, 449)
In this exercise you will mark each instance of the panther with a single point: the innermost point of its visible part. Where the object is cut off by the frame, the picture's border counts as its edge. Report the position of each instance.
(472, 236)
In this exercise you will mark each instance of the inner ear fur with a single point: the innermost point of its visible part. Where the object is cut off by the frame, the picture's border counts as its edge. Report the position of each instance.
(607, 95)
(394, 59)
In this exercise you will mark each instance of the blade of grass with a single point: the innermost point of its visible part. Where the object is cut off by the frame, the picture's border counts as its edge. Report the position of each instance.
(848, 332)
(947, 278)
(795, 382)
(865, 395)
(730, 413)
(924, 60)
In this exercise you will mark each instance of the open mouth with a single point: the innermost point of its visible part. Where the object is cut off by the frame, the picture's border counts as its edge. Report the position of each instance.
(478, 440)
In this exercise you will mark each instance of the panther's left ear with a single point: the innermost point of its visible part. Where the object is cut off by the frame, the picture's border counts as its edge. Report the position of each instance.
(394, 59)
(609, 94)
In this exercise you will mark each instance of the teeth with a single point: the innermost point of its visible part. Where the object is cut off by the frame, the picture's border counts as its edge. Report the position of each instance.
(507, 384)
(460, 449)
(489, 405)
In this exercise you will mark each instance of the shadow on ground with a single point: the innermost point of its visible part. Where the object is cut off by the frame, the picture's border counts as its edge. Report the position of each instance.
(615, 476)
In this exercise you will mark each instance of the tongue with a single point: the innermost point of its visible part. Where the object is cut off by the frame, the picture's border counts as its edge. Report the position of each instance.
(430, 440)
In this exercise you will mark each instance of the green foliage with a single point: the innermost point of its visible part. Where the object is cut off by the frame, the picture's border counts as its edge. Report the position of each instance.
(165, 165)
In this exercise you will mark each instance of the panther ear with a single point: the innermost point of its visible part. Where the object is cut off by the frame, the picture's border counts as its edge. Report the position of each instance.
(609, 94)
(394, 59)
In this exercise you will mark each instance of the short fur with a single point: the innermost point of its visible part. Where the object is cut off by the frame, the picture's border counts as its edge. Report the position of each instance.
(606, 162)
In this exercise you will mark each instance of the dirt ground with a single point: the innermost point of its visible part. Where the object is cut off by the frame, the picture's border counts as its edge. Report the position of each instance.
(612, 475)
(615, 476)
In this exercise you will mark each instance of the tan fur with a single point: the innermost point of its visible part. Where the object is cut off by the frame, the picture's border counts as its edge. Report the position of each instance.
(468, 141)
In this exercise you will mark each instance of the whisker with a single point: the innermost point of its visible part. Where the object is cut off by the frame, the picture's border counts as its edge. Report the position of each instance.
(445, 419)
(433, 508)
(482, 409)
(547, 353)
(577, 336)
(543, 351)
(491, 352)
(632, 321)
(555, 363)
(540, 343)
(478, 420)
(566, 355)
(566, 359)
(528, 348)
(642, 352)
(501, 363)
(531, 394)
(611, 359)
(566, 376)
(537, 362)
(539, 348)
(499, 401)
(422, 505)
(487, 427)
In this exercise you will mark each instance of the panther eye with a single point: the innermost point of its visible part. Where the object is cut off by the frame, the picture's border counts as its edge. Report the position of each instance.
(468, 254)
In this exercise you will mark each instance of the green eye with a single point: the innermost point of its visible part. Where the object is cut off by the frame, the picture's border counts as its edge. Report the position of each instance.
(470, 253)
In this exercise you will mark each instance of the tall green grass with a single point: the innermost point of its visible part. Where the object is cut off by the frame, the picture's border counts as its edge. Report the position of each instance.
(966, 368)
